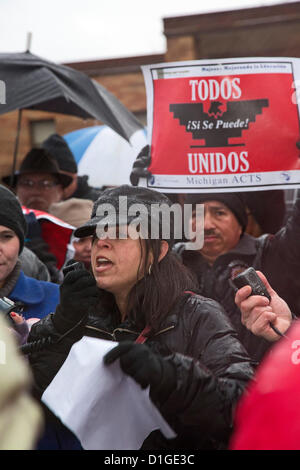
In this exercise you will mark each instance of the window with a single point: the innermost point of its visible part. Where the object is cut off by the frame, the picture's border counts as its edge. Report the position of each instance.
(40, 130)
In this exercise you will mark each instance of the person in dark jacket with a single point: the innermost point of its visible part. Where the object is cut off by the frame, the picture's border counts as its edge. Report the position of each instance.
(170, 338)
(39, 183)
(228, 250)
(62, 154)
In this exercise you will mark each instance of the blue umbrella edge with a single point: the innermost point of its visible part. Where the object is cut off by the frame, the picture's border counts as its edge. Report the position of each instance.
(79, 140)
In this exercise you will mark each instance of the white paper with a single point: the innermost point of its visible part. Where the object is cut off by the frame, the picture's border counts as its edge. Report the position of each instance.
(102, 406)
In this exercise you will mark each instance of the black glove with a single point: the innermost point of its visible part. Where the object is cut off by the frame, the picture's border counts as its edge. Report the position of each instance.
(140, 166)
(145, 367)
(79, 295)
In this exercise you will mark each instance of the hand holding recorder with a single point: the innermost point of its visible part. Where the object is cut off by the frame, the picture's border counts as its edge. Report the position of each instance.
(264, 313)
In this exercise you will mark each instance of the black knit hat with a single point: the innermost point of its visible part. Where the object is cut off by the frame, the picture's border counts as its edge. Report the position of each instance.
(38, 160)
(11, 214)
(61, 152)
(234, 201)
(134, 195)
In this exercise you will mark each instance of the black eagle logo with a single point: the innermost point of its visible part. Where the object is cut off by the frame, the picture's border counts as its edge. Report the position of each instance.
(218, 133)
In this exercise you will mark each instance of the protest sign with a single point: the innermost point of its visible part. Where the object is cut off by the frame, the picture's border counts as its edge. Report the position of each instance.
(223, 125)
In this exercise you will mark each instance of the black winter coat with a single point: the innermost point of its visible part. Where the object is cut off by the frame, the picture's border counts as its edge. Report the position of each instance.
(212, 368)
(277, 256)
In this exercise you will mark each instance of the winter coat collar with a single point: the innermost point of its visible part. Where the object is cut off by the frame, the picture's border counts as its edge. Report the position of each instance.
(28, 290)
(11, 281)
(247, 246)
(104, 324)
(97, 324)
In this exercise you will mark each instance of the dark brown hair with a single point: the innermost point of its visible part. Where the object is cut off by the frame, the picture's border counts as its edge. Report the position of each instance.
(153, 296)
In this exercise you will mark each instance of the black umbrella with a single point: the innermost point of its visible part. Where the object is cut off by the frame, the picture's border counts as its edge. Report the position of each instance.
(35, 83)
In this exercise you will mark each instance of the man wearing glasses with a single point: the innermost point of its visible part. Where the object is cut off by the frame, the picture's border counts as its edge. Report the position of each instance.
(39, 183)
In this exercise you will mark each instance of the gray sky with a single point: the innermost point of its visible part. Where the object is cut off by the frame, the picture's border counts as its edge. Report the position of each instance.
(78, 30)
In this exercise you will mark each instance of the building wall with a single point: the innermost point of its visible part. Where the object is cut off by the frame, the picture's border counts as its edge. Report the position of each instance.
(265, 31)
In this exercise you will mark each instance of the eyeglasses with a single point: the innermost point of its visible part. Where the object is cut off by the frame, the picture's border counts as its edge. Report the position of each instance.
(43, 184)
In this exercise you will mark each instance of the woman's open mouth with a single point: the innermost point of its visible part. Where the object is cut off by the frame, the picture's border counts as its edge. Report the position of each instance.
(103, 264)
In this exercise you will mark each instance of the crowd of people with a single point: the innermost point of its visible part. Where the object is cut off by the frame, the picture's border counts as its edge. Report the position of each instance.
(179, 325)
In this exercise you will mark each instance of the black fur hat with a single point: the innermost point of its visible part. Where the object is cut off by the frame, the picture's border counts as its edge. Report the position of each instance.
(61, 152)
(234, 201)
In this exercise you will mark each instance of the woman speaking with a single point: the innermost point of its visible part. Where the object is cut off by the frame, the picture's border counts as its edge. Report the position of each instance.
(168, 337)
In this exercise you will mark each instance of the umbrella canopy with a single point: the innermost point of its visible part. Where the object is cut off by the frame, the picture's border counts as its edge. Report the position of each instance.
(103, 155)
(35, 83)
